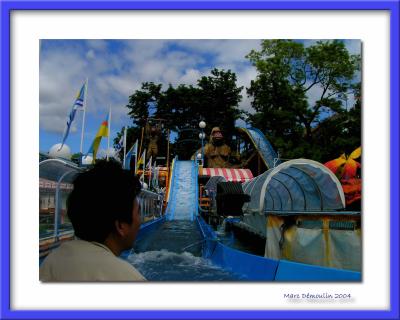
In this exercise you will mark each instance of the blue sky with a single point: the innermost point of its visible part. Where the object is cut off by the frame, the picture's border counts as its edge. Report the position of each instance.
(116, 68)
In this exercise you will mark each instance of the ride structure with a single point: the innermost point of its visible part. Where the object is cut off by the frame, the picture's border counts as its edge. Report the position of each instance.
(296, 208)
(258, 217)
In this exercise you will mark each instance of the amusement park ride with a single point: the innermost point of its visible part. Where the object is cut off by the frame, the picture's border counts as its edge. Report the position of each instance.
(290, 220)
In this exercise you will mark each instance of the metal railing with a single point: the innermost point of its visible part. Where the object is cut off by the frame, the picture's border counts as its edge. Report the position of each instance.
(150, 205)
(55, 184)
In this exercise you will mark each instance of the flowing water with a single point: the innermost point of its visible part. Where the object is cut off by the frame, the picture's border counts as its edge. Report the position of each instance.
(173, 252)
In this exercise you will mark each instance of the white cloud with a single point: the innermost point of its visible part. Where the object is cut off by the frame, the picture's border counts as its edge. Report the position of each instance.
(90, 54)
(190, 77)
(97, 44)
(116, 74)
(353, 46)
(117, 68)
(227, 52)
(59, 82)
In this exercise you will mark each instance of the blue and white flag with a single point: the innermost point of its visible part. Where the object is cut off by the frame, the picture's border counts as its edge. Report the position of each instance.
(78, 104)
(132, 152)
(120, 144)
(148, 166)
(155, 175)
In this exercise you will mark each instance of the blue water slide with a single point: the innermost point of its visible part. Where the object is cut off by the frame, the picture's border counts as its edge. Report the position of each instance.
(263, 146)
(183, 199)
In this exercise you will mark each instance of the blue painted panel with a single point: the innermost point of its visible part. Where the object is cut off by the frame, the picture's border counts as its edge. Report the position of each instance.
(149, 226)
(145, 228)
(205, 229)
(293, 271)
(253, 268)
(209, 235)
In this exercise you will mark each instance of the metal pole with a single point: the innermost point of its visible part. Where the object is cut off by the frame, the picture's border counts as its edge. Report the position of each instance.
(124, 142)
(141, 141)
(57, 204)
(168, 151)
(109, 133)
(202, 147)
(84, 113)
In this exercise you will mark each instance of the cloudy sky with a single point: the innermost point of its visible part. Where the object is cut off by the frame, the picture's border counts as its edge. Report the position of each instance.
(116, 68)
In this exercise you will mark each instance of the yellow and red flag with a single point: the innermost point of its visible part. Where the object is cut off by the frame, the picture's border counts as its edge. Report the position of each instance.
(102, 132)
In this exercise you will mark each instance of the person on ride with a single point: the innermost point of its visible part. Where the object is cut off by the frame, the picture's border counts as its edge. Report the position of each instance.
(105, 216)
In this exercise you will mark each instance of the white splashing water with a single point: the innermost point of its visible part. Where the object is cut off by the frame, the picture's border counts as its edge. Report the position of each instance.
(163, 265)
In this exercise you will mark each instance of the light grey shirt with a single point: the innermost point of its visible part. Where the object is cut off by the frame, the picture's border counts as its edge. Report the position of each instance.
(80, 260)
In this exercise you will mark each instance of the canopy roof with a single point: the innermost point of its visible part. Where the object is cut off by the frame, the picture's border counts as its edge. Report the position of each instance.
(240, 175)
(295, 185)
(58, 170)
(211, 184)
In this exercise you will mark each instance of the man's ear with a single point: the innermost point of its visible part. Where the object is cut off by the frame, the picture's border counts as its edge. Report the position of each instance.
(119, 227)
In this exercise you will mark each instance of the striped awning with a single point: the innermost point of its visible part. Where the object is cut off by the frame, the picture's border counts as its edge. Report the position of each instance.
(240, 175)
(47, 184)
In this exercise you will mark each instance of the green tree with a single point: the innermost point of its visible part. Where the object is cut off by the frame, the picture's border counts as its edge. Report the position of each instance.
(220, 97)
(140, 100)
(288, 73)
(342, 131)
(215, 99)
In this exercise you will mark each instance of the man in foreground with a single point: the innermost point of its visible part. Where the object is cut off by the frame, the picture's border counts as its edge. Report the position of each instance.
(105, 215)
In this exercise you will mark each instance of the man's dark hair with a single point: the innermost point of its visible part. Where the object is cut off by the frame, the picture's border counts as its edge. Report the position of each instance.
(102, 195)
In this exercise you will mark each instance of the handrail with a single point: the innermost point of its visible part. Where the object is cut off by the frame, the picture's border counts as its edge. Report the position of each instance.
(151, 204)
(171, 177)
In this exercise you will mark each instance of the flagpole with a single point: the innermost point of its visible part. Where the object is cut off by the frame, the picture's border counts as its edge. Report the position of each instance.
(144, 163)
(109, 133)
(141, 140)
(84, 114)
(136, 156)
(150, 171)
(123, 163)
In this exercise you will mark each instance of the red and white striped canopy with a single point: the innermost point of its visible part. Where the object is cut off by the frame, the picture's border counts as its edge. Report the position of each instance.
(241, 175)
(47, 184)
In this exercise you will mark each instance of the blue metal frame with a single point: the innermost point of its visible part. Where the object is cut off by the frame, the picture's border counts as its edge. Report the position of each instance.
(387, 5)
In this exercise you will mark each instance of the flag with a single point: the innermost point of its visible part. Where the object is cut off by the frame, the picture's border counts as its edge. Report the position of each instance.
(120, 144)
(78, 104)
(155, 175)
(102, 132)
(132, 152)
(141, 160)
(148, 166)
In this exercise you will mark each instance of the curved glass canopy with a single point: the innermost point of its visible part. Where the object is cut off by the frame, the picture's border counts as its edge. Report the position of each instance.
(295, 185)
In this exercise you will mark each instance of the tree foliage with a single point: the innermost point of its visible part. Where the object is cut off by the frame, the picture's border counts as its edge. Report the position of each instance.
(299, 93)
(214, 99)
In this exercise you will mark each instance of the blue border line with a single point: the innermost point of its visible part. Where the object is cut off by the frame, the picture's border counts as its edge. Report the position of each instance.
(202, 5)
(5, 160)
(6, 7)
(394, 159)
